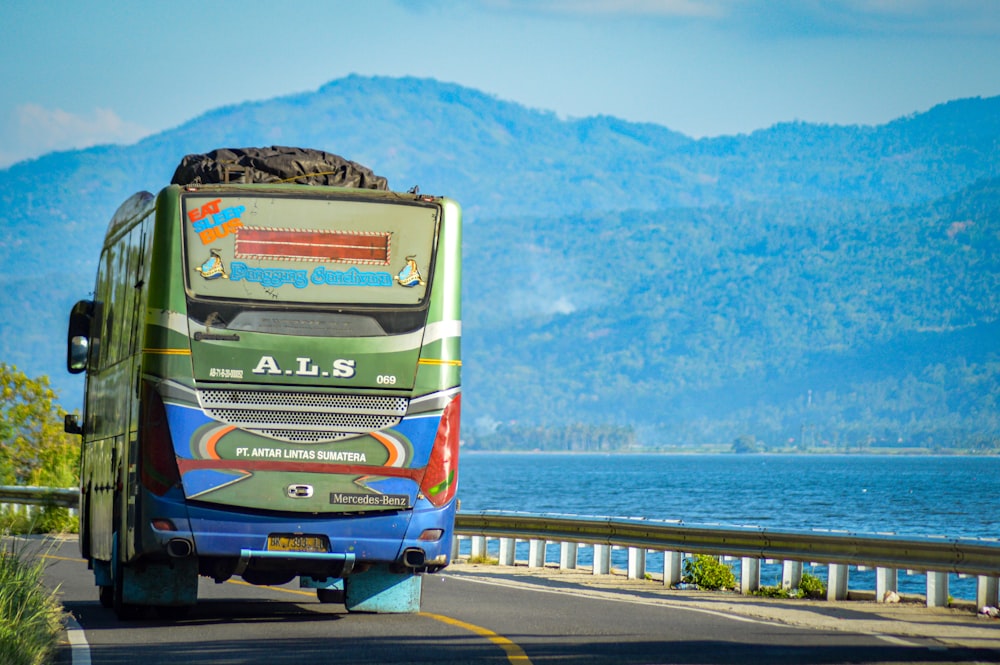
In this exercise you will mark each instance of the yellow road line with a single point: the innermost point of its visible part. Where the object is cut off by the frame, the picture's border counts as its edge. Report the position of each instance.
(515, 654)
(64, 558)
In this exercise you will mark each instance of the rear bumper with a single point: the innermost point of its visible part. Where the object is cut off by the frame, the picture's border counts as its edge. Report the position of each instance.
(381, 537)
(343, 564)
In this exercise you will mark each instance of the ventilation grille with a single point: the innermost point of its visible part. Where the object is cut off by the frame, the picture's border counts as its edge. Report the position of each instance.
(303, 417)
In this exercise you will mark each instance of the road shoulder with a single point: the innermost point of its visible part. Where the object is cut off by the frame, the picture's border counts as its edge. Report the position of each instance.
(911, 622)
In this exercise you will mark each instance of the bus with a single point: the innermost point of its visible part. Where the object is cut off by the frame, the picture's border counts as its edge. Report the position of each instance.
(272, 391)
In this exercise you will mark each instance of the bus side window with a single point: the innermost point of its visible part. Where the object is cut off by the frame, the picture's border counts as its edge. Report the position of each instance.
(108, 300)
(136, 242)
(109, 334)
(96, 324)
(98, 352)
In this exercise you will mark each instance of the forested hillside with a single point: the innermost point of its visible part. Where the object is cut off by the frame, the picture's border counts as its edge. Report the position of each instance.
(850, 323)
(625, 285)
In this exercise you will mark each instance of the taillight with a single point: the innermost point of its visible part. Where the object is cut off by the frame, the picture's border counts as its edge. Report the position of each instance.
(441, 476)
(158, 464)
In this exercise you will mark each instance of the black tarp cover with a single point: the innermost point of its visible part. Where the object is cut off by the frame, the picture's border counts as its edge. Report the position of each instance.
(276, 164)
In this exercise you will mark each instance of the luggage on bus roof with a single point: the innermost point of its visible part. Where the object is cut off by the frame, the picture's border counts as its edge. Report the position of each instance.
(273, 165)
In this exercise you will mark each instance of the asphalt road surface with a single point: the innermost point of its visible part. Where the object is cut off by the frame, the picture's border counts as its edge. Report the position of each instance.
(467, 617)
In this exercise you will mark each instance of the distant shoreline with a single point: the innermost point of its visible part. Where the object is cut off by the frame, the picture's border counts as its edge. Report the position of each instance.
(770, 453)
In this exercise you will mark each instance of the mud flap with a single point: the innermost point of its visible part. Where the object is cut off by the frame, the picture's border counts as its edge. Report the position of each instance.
(328, 589)
(102, 573)
(170, 584)
(380, 590)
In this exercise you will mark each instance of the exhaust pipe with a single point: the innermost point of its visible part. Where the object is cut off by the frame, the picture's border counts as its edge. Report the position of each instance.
(414, 558)
(179, 548)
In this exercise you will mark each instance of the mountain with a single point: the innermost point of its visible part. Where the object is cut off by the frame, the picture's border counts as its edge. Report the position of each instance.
(806, 282)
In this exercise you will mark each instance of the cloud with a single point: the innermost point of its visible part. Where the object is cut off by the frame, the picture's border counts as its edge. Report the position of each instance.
(956, 18)
(668, 8)
(651, 8)
(906, 18)
(563, 306)
(34, 130)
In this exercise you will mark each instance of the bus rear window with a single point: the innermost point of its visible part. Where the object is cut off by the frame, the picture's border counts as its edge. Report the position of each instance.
(308, 250)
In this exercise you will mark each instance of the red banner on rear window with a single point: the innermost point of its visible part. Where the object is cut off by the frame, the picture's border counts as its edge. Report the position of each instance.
(369, 248)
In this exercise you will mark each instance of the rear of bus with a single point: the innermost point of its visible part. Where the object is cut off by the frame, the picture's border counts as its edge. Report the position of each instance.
(300, 387)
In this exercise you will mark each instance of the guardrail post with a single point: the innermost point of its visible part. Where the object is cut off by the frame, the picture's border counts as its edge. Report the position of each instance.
(886, 580)
(567, 556)
(937, 589)
(507, 551)
(673, 567)
(602, 559)
(636, 563)
(791, 574)
(986, 591)
(478, 547)
(749, 575)
(455, 546)
(836, 581)
(536, 553)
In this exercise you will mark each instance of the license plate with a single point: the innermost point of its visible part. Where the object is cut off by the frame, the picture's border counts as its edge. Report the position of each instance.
(286, 543)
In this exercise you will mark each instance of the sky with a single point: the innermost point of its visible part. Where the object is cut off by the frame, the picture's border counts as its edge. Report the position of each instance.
(76, 73)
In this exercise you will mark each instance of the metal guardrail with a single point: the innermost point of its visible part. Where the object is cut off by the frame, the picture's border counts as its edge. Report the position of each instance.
(965, 556)
(888, 553)
(39, 496)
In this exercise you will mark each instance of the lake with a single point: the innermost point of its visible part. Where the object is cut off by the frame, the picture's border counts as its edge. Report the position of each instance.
(909, 495)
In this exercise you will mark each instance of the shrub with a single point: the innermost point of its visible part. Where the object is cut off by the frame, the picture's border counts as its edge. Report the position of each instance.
(812, 586)
(707, 572)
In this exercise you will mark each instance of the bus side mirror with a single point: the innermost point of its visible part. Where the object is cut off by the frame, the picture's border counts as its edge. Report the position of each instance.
(77, 339)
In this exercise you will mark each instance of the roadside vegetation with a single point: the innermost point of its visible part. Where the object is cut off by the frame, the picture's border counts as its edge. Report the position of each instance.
(30, 615)
(708, 572)
(34, 450)
(809, 587)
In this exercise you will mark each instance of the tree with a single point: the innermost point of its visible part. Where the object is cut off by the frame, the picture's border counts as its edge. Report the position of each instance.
(745, 443)
(34, 449)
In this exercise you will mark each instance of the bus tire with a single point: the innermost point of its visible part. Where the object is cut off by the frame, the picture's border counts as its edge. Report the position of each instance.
(330, 595)
(106, 594)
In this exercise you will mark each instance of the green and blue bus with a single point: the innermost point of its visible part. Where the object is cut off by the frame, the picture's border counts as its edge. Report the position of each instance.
(272, 392)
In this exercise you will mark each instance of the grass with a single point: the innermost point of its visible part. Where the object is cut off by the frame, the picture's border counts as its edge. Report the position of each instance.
(809, 587)
(30, 615)
(483, 559)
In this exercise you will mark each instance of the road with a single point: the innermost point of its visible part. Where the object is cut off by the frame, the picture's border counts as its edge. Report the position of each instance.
(467, 617)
